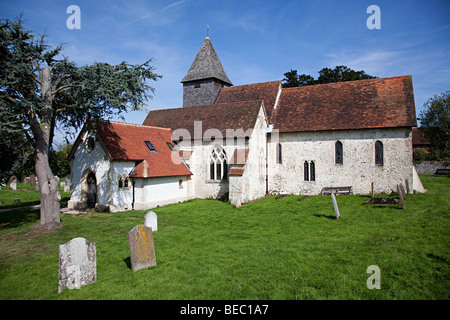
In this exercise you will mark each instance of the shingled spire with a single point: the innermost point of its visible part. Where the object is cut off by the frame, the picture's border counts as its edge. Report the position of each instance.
(205, 77)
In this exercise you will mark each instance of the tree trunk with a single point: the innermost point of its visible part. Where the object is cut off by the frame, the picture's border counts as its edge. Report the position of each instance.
(49, 189)
(48, 183)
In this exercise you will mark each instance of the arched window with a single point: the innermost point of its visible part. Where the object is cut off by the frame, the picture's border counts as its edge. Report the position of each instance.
(339, 155)
(120, 182)
(279, 154)
(126, 183)
(309, 171)
(306, 171)
(218, 167)
(379, 153)
(312, 171)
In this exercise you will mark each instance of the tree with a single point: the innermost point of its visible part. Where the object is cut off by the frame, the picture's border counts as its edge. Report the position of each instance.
(16, 155)
(435, 119)
(58, 160)
(40, 90)
(292, 79)
(326, 75)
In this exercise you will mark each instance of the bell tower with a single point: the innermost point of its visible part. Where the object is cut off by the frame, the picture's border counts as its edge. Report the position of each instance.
(205, 77)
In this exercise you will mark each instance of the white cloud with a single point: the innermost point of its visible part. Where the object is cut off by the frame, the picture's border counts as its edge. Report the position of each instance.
(377, 63)
(157, 18)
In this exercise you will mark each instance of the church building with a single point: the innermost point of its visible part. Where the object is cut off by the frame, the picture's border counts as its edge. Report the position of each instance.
(239, 143)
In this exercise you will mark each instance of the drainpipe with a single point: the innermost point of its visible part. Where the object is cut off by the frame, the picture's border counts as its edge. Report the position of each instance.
(132, 203)
(268, 137)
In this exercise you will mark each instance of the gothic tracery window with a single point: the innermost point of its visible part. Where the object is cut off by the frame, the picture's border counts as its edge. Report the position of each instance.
(218, 167)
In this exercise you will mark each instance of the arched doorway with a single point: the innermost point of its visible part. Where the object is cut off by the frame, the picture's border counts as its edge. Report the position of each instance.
(91, 190)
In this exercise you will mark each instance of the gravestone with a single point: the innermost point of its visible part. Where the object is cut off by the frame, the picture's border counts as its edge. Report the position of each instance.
(401, 194)
(77, 264)
(142, 250)
(151, 220)
(33, 181)
(26, 180)
(66, 189)
(335, 205)
(13, 183)
(62, 184)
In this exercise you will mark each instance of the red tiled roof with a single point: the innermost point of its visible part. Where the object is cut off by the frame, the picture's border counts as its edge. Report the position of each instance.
(372, 103)
(237, 115)
(418, 137)
(266, 91)
(239, 156)
(236, 172)
(125, 141)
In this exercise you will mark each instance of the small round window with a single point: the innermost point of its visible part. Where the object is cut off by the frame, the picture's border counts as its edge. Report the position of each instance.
(90, 144)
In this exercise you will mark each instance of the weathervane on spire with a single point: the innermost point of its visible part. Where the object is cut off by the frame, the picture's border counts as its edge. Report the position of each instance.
(207, 30)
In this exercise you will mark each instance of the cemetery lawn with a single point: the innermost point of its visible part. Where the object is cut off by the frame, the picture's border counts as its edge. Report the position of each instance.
(268, 249)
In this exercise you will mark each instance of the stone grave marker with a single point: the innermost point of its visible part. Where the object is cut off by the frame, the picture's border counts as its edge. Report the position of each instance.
(142, 250)
(151, 220)
(335, 205)
(77, 264)
(26, 180)
(13, 183)
(16, 200)
(66, 189)
(401, 194)
(33, 181)
(62, 184)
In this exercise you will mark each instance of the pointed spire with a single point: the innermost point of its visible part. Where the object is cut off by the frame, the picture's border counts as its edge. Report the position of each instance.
(206, 65)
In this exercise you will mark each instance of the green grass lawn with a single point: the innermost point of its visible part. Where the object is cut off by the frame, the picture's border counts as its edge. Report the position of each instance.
(269, 249)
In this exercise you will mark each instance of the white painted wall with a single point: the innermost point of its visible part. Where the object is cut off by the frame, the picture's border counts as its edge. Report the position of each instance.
(153, 192)
(358, 169)
(252, 184)
(95, 161)
(254, 176)
(120, 199)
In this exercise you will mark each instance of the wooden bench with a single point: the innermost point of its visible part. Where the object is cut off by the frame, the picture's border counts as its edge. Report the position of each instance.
(442, 171)
(336, 190)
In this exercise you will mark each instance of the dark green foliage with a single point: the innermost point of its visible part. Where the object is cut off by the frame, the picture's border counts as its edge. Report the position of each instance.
(419, 155)
(41, 90)
(58, 160)
(76, 93)
(435, 119)
(326, 75)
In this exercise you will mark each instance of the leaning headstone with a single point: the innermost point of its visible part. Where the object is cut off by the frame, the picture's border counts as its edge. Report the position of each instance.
(401, 194)
(335, 205)
(142, 250)
(151, 221)
(33, 181)
(77, 264)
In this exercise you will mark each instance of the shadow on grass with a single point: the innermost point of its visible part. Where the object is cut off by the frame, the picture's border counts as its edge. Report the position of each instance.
(324, 216)
(127, 260)
(15, 218)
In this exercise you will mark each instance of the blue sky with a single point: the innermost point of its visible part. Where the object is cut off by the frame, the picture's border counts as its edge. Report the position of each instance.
(256, 41)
